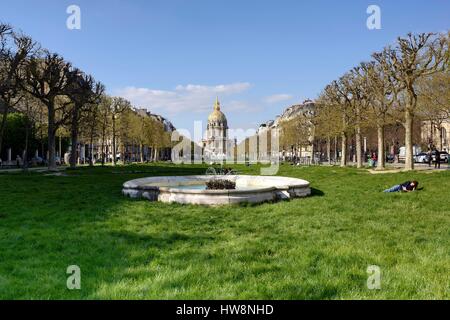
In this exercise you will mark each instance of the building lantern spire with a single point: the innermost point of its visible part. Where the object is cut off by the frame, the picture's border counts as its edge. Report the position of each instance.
(217, 104)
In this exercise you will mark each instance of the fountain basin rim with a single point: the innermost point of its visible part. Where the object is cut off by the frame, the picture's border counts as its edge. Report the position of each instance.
(222, 191)
(136, 183)
(250, 188)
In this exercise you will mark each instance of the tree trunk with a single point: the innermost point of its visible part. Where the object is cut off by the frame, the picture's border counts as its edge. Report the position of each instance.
(359, 160)
(381, 148)
(156, 154)
(2, 129)
(114, 139)
(441, 138)
(293, 153)
(41, 133)
(91, 150)
(103, 147)
(141, 147)
(431, 134)
(3, 123)
(74, 137)
(343, 149)
(51, 148)
(25, 151)
(51, 137)
(60, 148)
(329, 149)
(335, 148)
(409, 163)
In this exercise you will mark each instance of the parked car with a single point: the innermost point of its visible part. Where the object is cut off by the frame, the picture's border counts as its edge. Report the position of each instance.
(444, 156)
(402, 153)
(421, 158)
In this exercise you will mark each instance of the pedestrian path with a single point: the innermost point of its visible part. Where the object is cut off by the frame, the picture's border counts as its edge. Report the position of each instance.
(34, 169)
(417, 167)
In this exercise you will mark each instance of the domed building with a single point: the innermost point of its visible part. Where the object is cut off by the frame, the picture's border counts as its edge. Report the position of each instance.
(216, 139)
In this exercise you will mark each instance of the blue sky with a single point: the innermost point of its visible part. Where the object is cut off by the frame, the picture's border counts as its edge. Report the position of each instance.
(258, 56)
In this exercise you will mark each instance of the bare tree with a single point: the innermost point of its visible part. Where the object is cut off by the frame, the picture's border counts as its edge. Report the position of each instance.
(379, 91)
(118, 106)
(338, 95)
(104, 116)
(49, 80)
(91, 126)
(85, 93)
(14, 50)
(31, 109)
(412, 58)
(326, 116)
(434, 102)
(295, 133)
(352, 91)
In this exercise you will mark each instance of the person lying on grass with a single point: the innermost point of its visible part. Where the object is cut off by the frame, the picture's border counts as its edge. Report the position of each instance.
(408, 186)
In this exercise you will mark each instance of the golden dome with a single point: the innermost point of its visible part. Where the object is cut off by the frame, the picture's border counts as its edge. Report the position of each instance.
(217, 116)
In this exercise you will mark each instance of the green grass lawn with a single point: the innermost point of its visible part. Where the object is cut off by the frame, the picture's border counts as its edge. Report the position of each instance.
(313, 248)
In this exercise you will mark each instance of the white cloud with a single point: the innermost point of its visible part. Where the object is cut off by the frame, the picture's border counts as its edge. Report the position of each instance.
(188, 98)
(278, 98)
(237, 105)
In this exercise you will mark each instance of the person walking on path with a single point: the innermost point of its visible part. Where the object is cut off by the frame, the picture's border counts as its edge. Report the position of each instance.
(429, 157)
(437, 162)
(18, 160)
(374, 159)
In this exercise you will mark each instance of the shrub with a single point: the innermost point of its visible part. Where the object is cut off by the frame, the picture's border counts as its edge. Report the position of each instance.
(220, 184)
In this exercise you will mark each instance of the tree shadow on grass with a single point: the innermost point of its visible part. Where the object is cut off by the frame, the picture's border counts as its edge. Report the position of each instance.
(314, 193)
(148, 170)
(64, 221)
(161, 240)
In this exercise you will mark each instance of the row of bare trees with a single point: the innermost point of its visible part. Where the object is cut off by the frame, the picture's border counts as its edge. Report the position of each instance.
(145, 135)
(402, 84)
(15, 48)
(121, 128)
(35, 77)
(62, 99)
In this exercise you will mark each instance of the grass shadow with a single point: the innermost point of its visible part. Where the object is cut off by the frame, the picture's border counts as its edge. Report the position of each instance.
(317, 193)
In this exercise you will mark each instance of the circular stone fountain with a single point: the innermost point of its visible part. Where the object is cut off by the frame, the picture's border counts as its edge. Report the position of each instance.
(192, 189)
